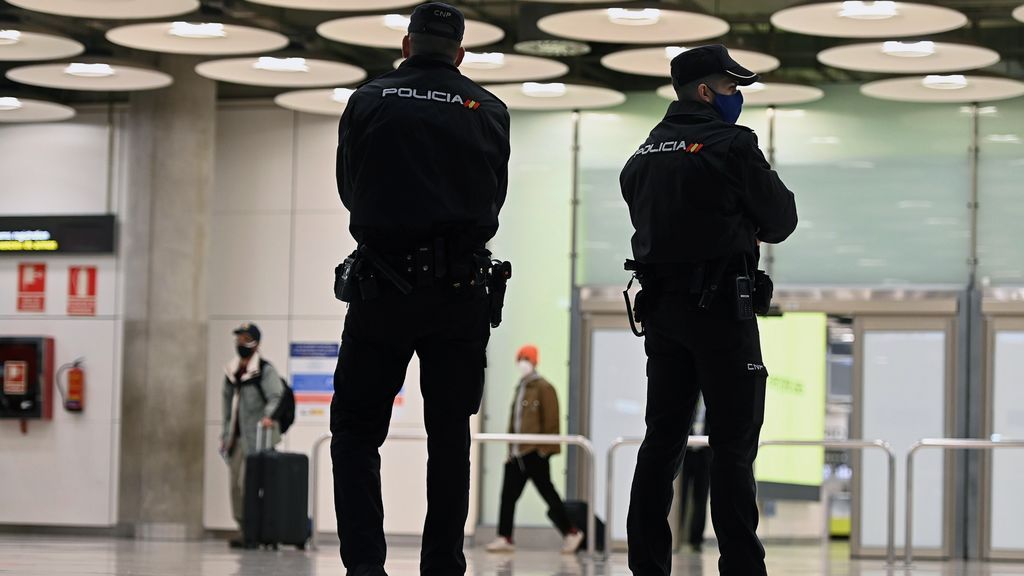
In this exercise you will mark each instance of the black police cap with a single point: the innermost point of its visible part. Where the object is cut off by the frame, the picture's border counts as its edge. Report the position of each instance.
(438, 19)
(702, 61)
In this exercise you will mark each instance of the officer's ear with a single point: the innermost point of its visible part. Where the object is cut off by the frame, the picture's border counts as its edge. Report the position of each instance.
(705, 93)
(459, 56)
(406, 47)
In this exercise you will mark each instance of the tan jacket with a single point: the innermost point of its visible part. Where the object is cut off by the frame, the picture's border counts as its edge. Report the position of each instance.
(537, 413)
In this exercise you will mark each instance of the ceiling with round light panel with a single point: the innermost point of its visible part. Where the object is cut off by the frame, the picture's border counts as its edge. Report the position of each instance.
(90, 76)
(555, 96)
(339, 5)
(1018, 14)
(868, 19)
(655, 61)
(503, 67)
(18, 46)
(110, 9)
(892, 57)
(23, 111)
(387, 31)
(205, 39)
(326, 102)
(770, 94)
(944, 89)
(633, 26)
(281, 72)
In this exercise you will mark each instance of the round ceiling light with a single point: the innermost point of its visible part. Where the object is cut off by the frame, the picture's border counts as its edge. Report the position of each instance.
(326, 102)
(281, 72)
(339, 5)
(499, 67)
(388, 30)
(110, 9)
(1019, 13)
(767, 94)
(908, 58)
(19, 111)
(556, 96)
(17, 46)
(655, 61)
(552, 48)
(626, 26)
(944, 89)
(868, 19)
(205, 39)
(90, 77)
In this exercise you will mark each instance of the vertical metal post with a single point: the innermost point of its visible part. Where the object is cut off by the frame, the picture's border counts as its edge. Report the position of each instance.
(972, 204)
(908, 521)
(769, 250)
(891, 511)
(576, 475)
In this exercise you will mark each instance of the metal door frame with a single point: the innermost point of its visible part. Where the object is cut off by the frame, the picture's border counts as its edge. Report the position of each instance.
(941, 317)
(1002, 310)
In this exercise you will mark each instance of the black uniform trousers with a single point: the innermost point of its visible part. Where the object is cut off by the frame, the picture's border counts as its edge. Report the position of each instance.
(690, 351)
(519, 470)
(694, 494)
(448, 330)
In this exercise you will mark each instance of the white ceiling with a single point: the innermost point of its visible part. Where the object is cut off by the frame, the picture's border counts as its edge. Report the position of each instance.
(320, 73)
(869, 57)
(595, 26)
(978, 89)
(156, 37)
(125, 79)
(655, 61)
(575, 98)
(824, 20)
(371, 31)
(35, 46)
(36, 111)
(110, 9)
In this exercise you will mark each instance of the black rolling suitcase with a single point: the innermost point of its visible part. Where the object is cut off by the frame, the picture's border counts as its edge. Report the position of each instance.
(577, 512)
(276, 509)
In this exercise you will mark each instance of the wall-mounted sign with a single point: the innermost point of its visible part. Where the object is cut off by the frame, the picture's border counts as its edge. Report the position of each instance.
(82, 290)
(312, 370)
(31, 287)
(57, 234)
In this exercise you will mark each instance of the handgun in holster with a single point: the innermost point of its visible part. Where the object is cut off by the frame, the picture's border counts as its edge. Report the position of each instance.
(498, 275)
(636, 310)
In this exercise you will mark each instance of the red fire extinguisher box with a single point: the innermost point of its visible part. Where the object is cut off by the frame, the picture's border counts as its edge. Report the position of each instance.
(26, 378)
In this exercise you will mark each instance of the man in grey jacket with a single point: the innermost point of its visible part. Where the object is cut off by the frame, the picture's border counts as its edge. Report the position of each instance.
(252, 390)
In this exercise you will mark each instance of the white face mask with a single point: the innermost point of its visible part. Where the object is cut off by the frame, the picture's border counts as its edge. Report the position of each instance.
(525, 367)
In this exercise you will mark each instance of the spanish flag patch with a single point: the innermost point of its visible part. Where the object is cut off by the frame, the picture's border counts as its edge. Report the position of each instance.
(472, 104)
(694, 148)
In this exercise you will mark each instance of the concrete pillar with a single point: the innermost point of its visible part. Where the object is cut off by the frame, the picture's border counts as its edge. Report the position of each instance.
(164, 239)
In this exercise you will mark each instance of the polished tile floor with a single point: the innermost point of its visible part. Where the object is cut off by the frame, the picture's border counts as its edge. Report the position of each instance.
(64, 556)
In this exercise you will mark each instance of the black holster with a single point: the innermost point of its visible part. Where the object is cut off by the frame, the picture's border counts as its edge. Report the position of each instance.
(495, 275)
(763, 290)
(344, 279)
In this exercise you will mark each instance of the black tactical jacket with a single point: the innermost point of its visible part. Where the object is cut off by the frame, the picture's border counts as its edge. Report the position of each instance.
(699, 189)
(423, 153)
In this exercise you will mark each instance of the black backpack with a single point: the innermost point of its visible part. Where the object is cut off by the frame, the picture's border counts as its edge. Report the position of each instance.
(284, 414)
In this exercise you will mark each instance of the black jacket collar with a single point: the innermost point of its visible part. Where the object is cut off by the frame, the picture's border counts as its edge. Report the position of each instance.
(428, 61)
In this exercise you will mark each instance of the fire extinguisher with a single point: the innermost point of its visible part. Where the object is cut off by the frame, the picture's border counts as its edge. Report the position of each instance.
(71, 385)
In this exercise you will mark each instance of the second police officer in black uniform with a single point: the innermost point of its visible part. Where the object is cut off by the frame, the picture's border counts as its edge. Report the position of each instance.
(423, 167)
(701, 198)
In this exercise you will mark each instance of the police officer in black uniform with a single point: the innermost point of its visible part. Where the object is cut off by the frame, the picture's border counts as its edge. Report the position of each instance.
(701, 198)
(423, 168)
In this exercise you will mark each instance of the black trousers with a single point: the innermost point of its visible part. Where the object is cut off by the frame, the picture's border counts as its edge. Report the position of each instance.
(518, 471)
(694, 493)
(448, 330)
(691, 351)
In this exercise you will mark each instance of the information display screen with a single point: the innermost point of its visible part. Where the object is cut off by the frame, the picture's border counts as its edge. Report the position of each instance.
(794, 347)
(57, 234)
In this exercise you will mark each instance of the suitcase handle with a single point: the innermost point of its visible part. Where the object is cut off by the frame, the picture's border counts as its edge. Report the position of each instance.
(263, 436)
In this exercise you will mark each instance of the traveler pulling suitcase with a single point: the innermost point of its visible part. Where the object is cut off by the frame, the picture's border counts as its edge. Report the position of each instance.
(276, 502)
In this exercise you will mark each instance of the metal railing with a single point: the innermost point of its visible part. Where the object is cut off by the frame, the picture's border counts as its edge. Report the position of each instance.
(482, 438)
(942, 444)
(835, 444)
(609, 486)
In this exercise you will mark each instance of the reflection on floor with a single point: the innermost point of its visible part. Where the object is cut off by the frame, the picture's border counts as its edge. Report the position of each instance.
(58, 556)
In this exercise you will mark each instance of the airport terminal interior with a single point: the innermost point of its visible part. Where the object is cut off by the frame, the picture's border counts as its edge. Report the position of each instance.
(167, 179)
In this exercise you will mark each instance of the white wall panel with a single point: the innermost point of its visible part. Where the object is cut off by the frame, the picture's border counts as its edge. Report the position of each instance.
(253, 160)
(322, 241)
(1007, 508)
(250, 269)
(56, 168)
(317, 146)
(63, 472)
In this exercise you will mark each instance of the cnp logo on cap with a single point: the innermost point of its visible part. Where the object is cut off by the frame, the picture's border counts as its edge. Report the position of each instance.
(438, 19)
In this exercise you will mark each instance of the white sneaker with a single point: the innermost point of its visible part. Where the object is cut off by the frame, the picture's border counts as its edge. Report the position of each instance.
(571, 543)
(501, 544)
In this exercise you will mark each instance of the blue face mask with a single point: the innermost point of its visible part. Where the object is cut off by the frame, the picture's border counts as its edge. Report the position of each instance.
(729, 107)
